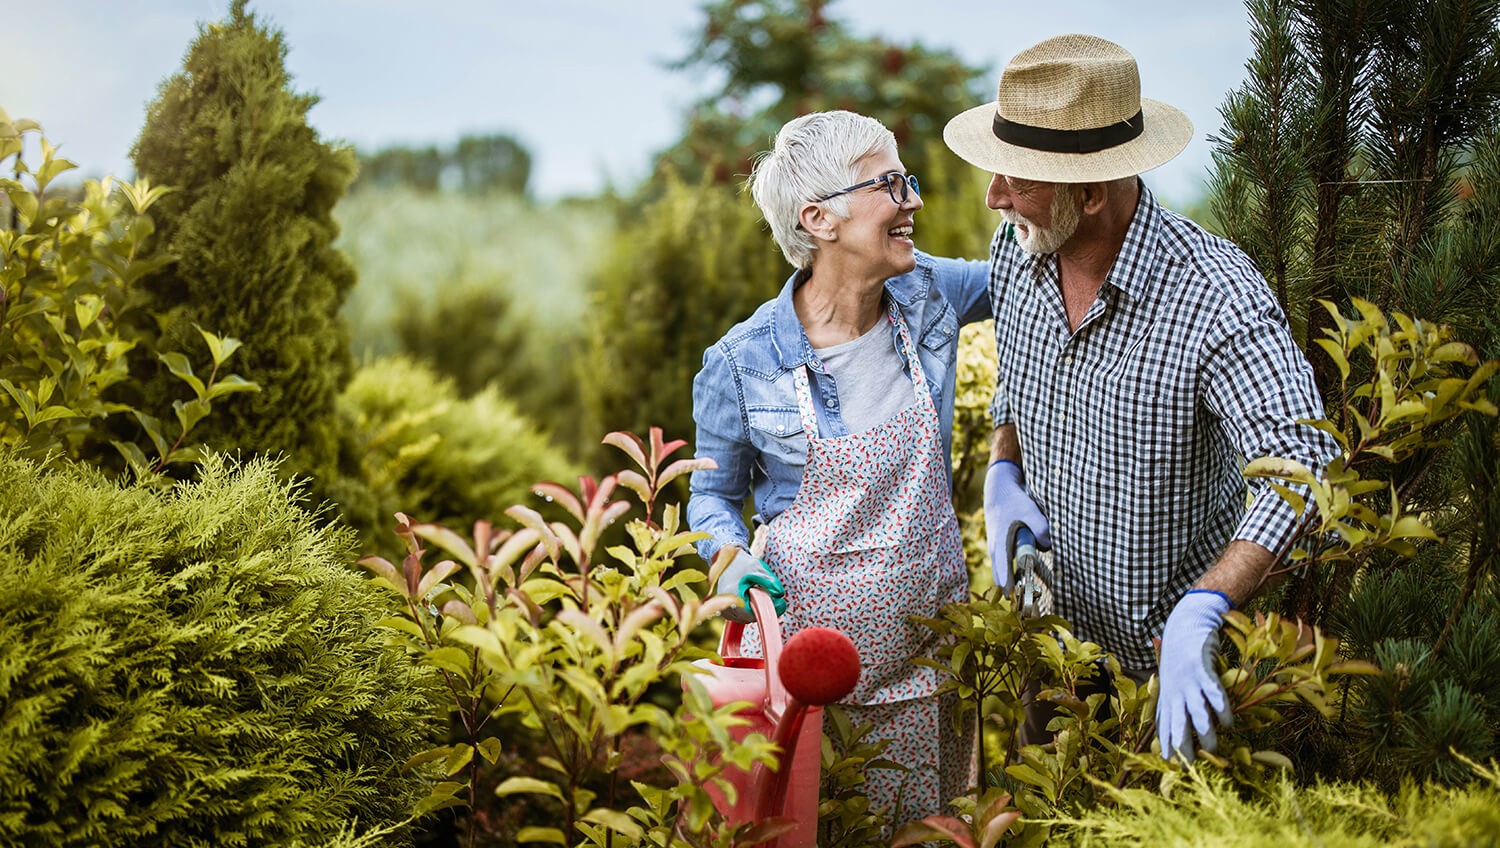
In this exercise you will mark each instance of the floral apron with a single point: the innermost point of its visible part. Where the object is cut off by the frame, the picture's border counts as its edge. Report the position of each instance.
(871, 539)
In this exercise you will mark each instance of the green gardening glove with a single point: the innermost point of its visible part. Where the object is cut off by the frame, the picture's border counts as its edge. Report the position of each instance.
(745, 571)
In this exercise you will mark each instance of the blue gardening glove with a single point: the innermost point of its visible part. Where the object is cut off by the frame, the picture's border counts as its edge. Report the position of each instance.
(1008, 508)
(1188, 682)
(745, 571)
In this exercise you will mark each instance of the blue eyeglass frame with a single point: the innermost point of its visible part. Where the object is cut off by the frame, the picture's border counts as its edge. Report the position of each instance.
(890, 181)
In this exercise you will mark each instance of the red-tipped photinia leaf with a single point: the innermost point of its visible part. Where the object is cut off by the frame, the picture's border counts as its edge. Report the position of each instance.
(630, 443)
(819, 666)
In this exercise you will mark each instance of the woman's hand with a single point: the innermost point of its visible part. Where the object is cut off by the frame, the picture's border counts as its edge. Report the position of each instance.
(743, 572)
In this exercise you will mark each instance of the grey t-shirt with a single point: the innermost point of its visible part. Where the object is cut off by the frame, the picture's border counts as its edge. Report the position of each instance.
(871, 377)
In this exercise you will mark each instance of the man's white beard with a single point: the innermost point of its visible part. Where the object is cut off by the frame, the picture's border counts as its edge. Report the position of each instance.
(1067, 211)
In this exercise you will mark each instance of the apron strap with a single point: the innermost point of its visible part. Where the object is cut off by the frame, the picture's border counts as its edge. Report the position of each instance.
(804, 402)
(909, 351)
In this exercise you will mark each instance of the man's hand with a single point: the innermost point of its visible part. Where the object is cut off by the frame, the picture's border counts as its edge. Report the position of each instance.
(1007, 508)
(745, 571)
(1188, 682)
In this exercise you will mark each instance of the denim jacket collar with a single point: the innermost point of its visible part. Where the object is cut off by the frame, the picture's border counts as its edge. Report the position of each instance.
(788, 335)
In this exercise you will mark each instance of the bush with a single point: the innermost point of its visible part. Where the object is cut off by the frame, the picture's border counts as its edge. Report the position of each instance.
(69, 269)
(438, 456)
(1207, 810)
(252, 229)
(192, 667)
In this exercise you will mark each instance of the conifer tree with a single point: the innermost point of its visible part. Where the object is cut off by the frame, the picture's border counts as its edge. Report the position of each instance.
(252, 229)
(1361, 158)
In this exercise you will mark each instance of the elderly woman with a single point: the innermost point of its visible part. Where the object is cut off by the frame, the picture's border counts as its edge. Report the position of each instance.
(833, 406)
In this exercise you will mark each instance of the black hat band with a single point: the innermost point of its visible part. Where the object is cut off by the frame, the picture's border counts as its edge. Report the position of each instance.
(1069, 141)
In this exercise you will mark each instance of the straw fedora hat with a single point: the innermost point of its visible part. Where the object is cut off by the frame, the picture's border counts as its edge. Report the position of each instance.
(1069, 110)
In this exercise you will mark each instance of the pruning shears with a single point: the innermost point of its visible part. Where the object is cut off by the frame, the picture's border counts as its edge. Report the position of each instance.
(1031, 595)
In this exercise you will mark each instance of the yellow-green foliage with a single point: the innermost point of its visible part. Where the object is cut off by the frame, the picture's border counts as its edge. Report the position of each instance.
(1206, 809)
(69, 270)
(197, 667)
(574, 640)
(435, 455)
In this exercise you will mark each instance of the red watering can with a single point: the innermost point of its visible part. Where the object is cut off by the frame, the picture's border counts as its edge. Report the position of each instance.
(787, 690)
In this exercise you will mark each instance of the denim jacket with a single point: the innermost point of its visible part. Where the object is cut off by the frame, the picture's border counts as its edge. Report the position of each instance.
(745, 407)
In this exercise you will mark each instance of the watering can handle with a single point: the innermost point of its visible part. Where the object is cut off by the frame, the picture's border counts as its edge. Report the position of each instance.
(770, 642)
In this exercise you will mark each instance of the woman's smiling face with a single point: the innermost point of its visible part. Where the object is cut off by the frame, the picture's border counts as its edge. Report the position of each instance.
(878, 232)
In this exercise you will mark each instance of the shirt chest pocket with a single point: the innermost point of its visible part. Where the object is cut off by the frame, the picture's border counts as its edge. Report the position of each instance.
(776, 431)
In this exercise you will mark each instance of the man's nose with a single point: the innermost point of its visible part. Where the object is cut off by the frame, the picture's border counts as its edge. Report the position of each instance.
(998, 196)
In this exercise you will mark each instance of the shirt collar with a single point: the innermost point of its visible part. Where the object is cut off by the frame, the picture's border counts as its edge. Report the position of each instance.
(790, 339)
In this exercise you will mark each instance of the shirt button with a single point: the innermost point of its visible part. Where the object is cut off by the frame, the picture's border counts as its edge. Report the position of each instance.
(1059, 417)
(781, 428)
(1057, 471)
(831, 403)
(1067, 360)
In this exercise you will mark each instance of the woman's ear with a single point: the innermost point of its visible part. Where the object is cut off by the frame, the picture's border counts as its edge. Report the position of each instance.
(818, 221)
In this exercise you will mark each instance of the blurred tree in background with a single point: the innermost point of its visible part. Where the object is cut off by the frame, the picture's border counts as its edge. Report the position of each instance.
(251, 226)
(784, 58)
(477, 164)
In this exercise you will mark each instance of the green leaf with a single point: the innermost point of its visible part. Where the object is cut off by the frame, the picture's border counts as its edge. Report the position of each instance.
(1335, 352)
(230, 384)
(54, 412)
(189, 413)
(529, 786)
(1271, 758)
(220, 347)
(179, 365)
(489, 749)
(1286, 469)
(458, 757)
(87, 308)
(541, 834)
(22, 398)
(1411, 527)
(450, 658)
(616, 821)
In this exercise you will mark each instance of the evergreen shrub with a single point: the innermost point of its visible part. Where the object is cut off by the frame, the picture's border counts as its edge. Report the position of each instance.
(436, 455)
(195, 666)
(252, 229)
(1205, 809)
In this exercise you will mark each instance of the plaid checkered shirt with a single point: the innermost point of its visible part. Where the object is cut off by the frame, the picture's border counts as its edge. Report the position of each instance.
(1134, 428)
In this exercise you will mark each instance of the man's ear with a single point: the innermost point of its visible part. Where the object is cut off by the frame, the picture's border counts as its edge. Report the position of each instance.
(818, 221)
(1095, 196)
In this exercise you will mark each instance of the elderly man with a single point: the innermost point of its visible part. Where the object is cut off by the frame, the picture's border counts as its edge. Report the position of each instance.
(1141, 361)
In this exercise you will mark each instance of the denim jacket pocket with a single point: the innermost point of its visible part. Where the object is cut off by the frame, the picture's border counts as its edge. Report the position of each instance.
(777, 432)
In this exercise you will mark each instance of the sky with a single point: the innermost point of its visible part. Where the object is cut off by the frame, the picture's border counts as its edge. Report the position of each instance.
(584, 84)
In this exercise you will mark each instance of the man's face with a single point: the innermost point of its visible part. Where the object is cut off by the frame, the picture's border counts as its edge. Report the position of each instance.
(1045, 215)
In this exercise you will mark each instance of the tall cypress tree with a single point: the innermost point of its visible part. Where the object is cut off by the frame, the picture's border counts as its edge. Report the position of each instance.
(252, 227)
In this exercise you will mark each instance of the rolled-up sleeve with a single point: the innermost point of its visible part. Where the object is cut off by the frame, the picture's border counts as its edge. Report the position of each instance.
(718, 494)
(1260, 386)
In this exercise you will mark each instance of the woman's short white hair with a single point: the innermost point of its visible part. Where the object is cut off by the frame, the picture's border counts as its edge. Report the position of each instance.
(813, 155)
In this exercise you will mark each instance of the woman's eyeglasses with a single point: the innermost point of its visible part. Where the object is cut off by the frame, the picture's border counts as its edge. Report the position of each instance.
(896, 184)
